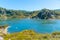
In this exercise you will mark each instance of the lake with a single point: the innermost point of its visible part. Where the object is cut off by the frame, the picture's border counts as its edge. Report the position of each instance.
(39, 26)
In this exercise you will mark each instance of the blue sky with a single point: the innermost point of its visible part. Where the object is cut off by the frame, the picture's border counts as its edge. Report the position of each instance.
(30, 5)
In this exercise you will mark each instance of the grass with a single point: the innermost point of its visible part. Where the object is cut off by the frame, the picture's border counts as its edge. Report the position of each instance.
(31, 35)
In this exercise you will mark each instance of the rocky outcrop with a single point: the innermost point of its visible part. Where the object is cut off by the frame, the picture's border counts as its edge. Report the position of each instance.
(45, 14)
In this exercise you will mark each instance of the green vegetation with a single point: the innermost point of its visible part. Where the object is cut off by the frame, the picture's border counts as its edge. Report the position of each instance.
(41, 14)
(31, 35)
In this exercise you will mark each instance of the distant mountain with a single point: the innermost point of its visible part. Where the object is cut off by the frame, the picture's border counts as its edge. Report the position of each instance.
(57, 9)
(13, 13)
(48, 14)
(41, 14)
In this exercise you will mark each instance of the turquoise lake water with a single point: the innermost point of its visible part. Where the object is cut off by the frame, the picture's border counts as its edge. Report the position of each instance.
(39, 26)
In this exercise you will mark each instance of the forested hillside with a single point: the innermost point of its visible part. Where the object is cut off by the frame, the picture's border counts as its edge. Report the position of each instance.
(41, 14)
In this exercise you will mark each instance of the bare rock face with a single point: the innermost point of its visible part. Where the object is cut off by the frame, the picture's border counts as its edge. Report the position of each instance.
(45, 14)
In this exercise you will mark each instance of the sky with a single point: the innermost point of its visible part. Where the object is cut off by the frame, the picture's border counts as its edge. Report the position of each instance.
(30, 5)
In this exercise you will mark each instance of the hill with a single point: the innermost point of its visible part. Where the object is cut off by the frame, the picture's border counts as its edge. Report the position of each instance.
(41, 14)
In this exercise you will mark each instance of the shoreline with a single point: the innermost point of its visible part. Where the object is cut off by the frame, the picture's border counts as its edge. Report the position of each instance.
(6, 30)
